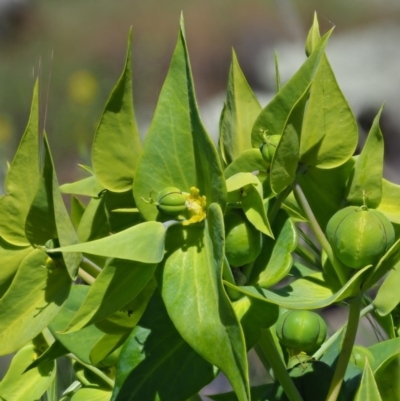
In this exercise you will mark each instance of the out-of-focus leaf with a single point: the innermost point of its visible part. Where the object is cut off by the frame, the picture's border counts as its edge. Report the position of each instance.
(177, 150)
(21, 181)
(33, 300)
(152, 357)
(241, 110)
(116, 146)
(192, 290)
(365, 184)
(28, 386)
(389, 205)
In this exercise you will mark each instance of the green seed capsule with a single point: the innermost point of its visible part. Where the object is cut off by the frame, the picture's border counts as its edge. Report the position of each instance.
(359, 236)
(243, 241)
(268, 147)
(301, 330)
(171, 201)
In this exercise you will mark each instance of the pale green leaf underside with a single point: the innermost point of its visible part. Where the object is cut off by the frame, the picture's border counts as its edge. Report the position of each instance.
(116, 146)
(142, 243)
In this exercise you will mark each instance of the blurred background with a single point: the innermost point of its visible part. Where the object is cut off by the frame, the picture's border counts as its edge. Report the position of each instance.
(79, 47)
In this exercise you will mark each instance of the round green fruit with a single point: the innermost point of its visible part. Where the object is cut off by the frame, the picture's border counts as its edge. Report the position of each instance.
(171, 201)
(301, 330)
(243, 241)
(360, 354)
(359, 236)
(268, 147)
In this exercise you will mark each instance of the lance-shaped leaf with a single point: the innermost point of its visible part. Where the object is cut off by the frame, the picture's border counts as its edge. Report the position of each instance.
(142, 243)
(390, 205)
(192, 290)
(275, 259)
(177, 150)
(118, 283)
(48, 218)
(313, 37)
(33, 300)
(365, 184)
(246, 188)
(116, 146)
(153, 356)
(21, 180)
(240, 111)
(17, 385)
(311, 292)
(11, 257)
(330, 133)
(286, 157)
(89, 186)
(273, 117)
(77, 211)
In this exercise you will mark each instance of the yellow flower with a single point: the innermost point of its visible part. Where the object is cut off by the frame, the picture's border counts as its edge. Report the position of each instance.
(196, 206)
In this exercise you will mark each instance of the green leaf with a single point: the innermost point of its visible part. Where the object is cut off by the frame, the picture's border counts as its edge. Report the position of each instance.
(275, 259)
(177, 150)
(311, 292)
(142, 243)
(191, 287)
(247, 162)
(365, 184)
(33, 300)
(11, 257)
(313, 37)
(118, 283)
(330, 133)
(153, 356)
(384, 352)
(81, 342)
(77, 211)
(274, 116)
(116, 145)
(390, 201)
(48, 218)
(368, 390)
(92, 394)
(28, 386)
(388, 380)
(56, 350)
(257, 394)
(388, 296)
(21, 180)
(89, 186)
(241, 110)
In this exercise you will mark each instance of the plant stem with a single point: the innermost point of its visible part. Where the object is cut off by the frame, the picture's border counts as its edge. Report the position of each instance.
(86, 277)
(267, 352)
(302, 200)
(90, 267)
(347, 346)
(96, 371)
(369, 308)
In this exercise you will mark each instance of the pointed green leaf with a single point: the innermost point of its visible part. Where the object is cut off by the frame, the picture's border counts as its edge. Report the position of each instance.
(388, 380)
(250, 160)
(34, 298)
(77, 211)
(82, 342)
(241, 110)
(191, 287)
(31, 385)
(56, 350)
(48, 218)
(275, 259)
(116, 146)
(390, 201)
(142, 243)
(311, 292)
(153, 356)
(92, 394)
(177, 150)
(368, 389)
(384, 352)
(21, 180)
(104, 353)
(313, 37)
(274, 116)
(119, 283)
(330, 133)
(89, 186)
(11, 257)
(277, 73)
(365, 185)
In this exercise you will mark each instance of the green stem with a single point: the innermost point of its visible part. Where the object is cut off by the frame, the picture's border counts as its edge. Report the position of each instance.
(347, 346)
(307, 255)
(324, 347)
(86, 277)
(302, 201)
(90, 267)
(96, 371)
(267, 352)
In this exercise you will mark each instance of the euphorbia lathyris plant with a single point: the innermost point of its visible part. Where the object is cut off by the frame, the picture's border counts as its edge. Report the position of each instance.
(164, 271)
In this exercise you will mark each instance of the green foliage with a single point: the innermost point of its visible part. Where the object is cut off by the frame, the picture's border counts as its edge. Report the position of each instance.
(188, 256)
